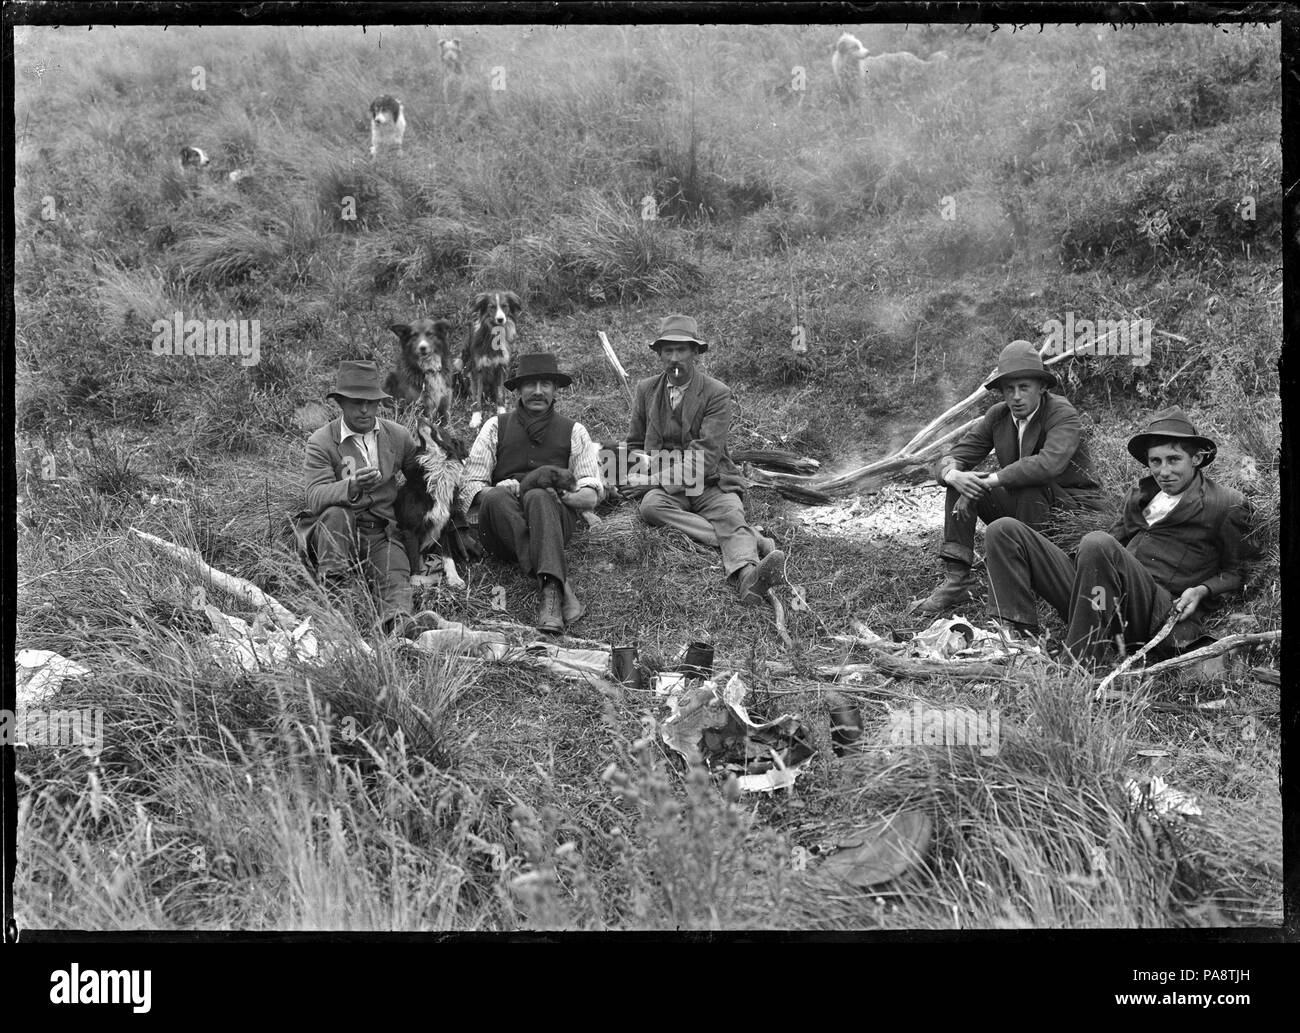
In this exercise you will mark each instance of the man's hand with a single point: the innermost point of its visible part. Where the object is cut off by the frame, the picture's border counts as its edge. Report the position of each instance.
(971, 485)
(1188, 603)
(580, 499)
(510, 484)
(365, 479)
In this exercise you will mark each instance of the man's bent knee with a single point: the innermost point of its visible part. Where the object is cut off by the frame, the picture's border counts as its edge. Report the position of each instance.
(652, 506)
(1002, 528)
(1096, 542)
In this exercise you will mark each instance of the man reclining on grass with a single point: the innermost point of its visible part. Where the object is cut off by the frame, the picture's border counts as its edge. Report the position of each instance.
(1180, 541)
(684, 414)
(1036, 436)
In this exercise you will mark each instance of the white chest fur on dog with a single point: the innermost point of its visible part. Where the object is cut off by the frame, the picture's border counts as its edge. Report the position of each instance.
(387, 124)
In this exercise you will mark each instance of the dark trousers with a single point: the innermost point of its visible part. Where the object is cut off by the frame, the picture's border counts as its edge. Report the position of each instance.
(1106, 592)
(532, 531)
(724, 522)
(342, 547)
(1029, 505)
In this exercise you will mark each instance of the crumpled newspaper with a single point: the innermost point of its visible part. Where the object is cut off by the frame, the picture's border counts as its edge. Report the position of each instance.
(1158, 795)
(263, 643)
(41, 673)
(710, 725)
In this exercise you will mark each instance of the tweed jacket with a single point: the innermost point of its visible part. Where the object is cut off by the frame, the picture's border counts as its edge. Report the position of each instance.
(1052, 451)
(706, 418)
(325, 472)
(1205, 540)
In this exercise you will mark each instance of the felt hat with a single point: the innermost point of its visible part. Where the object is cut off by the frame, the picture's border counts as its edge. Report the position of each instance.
(1020, 359)
(538, 366)
(679, 329)
(1171, 423)
(358, 380)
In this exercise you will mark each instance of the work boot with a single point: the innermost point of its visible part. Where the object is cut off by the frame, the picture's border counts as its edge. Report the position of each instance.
(549, 617)
(958, 587)
(572, 608)
(757, 578)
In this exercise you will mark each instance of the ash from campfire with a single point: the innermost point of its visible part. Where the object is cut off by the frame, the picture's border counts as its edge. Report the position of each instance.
(909, 514)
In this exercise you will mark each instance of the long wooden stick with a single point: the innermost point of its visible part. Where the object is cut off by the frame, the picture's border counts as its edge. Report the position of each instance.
(243, 590)
(1123, 668)
(612, 357)
(1224, 645)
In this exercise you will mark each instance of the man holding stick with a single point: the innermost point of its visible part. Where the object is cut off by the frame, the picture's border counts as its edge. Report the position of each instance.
(1180, 541)
(1036, 436)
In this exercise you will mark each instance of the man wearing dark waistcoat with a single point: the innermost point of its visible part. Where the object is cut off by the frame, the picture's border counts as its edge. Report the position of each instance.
(684, 412)
(350, 486)
(1036, 436)
(534, 530)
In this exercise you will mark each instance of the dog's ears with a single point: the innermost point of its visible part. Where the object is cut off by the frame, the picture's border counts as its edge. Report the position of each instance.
(512, 299)
(480, 303)
(401, 329)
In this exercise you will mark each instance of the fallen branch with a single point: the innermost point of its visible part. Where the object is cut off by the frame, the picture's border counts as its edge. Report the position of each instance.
(1224, 645)
(777, 460)
(867, 477)
(786, 485)
(1127, 665)
(245, 591)
(780, 618)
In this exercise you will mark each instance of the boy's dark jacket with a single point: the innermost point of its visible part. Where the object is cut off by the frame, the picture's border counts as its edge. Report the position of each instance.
(1205, 539)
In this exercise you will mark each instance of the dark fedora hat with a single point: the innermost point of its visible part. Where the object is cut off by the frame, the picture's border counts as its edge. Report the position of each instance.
(1171, 423)
(679, 329)
(538, 366)
(1020, 359)
(358, 380)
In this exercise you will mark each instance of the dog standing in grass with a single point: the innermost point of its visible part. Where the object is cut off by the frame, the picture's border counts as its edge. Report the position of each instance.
(486, 357)
(387, 124)
(425, 367)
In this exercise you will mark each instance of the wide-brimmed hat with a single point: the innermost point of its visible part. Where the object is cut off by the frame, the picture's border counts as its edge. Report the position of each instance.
(1020, 359)
(1171, 423)
(679, 329)
(538, 366)
(358, 380)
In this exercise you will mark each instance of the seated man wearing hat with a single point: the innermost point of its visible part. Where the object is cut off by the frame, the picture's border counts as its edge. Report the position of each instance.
(350, 486)
(1044, 464)
(1180, 542)
(684, 412)
(535, 529)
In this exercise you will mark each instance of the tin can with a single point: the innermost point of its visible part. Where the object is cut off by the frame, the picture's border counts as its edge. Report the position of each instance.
(626, 669)
(698, 661)
(846, 725)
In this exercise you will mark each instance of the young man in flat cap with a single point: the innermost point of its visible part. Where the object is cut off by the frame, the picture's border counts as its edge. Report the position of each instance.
(684, 412)
(1044, 464)
(350, 483)
(534, 530)
(1180, 542)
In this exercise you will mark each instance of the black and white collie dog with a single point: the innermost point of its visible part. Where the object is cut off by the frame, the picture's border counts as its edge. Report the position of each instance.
(193, 158)
(387, 124)
(486, 357)
(431, 527)
(425, 367)
(194, 164)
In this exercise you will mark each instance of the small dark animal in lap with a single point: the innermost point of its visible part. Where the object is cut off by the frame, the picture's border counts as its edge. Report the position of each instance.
(556, 477)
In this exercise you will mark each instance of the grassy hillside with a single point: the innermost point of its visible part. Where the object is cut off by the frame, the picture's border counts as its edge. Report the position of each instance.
(910, 235)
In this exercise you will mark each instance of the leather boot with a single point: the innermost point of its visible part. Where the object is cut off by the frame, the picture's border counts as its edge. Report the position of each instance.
(757, 578)
(958, 587)
(571, 609)
(549, 617)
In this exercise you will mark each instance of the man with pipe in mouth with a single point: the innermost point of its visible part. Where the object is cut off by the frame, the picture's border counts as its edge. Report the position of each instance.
(683, 412)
